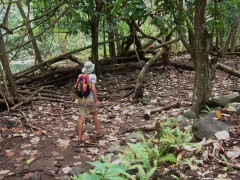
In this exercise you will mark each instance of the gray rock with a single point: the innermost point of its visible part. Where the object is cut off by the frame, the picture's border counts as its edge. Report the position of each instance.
(224, 100)
(234, 107)
(65, 178)
(49, 172)
(134, 137)
(207, 126)
(108, 157)
(190, 114)
(116, 148)
(76, 171)
(114, 158)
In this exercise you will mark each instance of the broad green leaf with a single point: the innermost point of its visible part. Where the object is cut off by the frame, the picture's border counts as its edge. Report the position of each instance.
(116, 169)
(86, 176)
(99, 166)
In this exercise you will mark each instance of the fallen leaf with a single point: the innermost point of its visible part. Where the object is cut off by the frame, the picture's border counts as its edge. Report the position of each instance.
(15, 130)
(20, 158)
(222, 135)
(29, 152)
(170, 137)
(35, 140)
(30, 160)
(4, 172)
(9, 153)
(233, 154)
(63, 143)
(66, 169)
(39, 132)
(219, 114)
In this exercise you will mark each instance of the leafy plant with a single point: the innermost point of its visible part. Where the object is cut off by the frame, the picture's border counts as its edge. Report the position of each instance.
(175, 137)
(145, 156)
(143, 174)
(207, 110)
(193, 163)
(106, 171)
(228, 167)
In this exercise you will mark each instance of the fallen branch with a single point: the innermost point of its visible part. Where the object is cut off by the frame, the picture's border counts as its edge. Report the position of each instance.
(234, 53)
(220, 66)
(28, 124)
(138, 92)
(228, 70)
(28, 100)
(5, 100)
(150, 127)
(147, 113)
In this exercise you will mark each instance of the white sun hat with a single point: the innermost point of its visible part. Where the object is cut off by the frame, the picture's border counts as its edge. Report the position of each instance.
(88, 67)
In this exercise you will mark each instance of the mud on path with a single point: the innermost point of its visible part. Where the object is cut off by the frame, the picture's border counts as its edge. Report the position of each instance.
(38, 140)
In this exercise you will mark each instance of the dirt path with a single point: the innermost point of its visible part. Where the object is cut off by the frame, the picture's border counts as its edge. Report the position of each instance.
(38, 140)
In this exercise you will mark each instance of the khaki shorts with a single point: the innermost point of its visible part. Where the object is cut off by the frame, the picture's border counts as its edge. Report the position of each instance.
(86, 106)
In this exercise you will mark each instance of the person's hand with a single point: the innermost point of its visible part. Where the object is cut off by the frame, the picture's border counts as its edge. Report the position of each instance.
(97, 102)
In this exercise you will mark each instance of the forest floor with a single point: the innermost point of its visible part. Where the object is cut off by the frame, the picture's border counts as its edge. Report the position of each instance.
(40, 141)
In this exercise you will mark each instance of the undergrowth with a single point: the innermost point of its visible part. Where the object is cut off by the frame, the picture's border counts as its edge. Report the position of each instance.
(141, 160)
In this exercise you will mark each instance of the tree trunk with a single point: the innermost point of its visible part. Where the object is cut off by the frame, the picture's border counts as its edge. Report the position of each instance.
(94, 24)
(104, 39)
(5, 64)
(36, 50)
(203, 72)
(118, 43)
(94, 31)
(4, 90)
(234, 33)
(111, 34)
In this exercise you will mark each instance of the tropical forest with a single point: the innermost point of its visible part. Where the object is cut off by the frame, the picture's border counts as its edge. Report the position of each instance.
(119, 89)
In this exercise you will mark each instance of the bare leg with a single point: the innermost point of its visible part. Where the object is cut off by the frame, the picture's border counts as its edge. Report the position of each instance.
(96, 122)
(80, 127)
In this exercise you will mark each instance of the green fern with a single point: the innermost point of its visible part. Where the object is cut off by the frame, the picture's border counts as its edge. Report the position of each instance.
(168, 158)
(143, 174)
(141, 154)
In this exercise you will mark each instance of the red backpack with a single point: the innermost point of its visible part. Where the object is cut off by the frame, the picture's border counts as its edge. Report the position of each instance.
(83, 85)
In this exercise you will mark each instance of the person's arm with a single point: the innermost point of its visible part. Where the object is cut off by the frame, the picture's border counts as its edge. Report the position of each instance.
(94, 90)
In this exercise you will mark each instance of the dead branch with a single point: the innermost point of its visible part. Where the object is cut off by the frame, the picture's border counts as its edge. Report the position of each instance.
(228, 70)
(5, 100)
(28, 124)
(62, 57)
(150, 127)
(138, 92)
(28, 100)
(148, 112)
(220, 66)
(234, 53)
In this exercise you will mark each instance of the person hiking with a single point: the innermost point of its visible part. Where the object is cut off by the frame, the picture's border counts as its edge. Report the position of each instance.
(89, 102)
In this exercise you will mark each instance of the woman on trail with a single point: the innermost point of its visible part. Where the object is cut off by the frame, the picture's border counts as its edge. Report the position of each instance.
(89, 103)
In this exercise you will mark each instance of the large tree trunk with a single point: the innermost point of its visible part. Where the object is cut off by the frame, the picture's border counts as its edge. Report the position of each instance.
(5, 63)
(36, 50)
(203, 72)
(234, 33)
(94, 32)
(118, 43)
(111, 34)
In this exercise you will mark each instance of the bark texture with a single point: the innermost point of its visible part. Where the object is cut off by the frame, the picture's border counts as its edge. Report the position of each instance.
(203, 72)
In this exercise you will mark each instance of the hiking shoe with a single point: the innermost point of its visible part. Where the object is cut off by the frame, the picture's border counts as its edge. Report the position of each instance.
(78, 142)
(100, 135)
